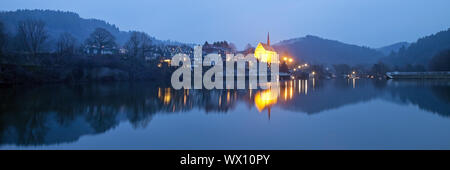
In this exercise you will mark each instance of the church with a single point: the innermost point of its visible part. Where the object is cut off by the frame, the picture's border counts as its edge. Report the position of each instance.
(264, 52)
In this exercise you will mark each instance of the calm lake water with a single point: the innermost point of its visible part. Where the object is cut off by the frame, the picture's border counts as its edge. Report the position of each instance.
(303, 114)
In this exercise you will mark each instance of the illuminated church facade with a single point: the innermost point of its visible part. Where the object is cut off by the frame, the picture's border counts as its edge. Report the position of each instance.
(265, 53)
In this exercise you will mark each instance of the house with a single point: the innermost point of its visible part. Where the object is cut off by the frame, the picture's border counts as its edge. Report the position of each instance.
(94, 50)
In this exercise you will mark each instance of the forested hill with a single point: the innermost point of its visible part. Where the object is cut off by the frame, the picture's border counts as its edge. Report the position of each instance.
(58, 22)
(422, 51)
(393, 48)
(318, 50)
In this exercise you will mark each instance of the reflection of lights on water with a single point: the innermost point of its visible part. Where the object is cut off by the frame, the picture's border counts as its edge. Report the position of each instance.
(353, 83)
(291, 92)
(287, 90)
(314, 83)
(265, 99)
(167, 96)
(303, 86)
(306, 87)
(159, 92)
(285, 93)
(228, 96)
(186, 93)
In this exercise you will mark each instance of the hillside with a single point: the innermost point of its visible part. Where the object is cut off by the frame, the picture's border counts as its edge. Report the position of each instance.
(387, 50)
(317, 50)
(421, 51)
(58, 22)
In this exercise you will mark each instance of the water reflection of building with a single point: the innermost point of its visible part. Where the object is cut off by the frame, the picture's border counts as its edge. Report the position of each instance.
(265, 99)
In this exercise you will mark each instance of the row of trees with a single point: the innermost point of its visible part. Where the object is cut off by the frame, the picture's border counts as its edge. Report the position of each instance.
(32, 55)
(423, 50)
(138, 44)
(441, 61)
(220, 44)
(2, 38)
(33, 38)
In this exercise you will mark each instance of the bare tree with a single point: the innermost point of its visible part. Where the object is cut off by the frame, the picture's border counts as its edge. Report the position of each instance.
(66, 44)
(232, 47)
(101, 39)
(138, 44)
(249, 49)
(32, 35)
(3, 37)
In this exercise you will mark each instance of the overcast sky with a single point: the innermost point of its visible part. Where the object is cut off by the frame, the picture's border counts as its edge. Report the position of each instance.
(372, 23)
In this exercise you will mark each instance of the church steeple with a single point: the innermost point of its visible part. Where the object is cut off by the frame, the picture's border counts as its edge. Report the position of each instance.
(268, 39)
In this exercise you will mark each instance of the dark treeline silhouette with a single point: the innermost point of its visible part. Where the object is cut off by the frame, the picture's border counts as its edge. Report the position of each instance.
(29, 55)
(422, 51)
(441, 61)
(393, 48)
(57, 46)
(58, 22)
(3, 38)
(219, 47)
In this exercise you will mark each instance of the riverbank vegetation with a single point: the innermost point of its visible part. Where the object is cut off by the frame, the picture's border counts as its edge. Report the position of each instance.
(31, 55)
